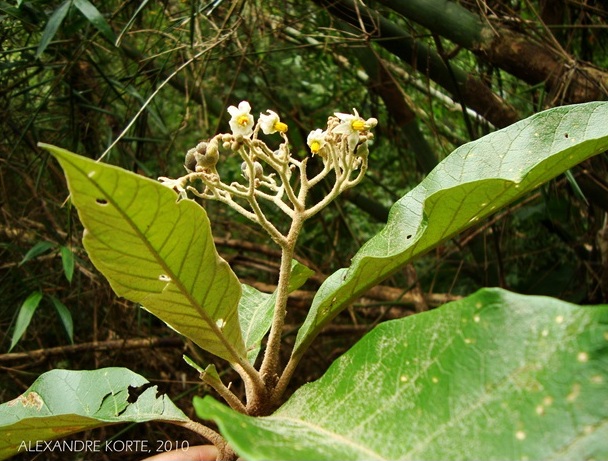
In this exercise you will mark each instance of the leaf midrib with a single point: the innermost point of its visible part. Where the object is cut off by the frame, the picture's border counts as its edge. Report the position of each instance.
(182, 289)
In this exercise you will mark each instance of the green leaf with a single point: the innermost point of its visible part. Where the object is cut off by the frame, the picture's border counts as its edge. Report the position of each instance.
(65, 316)
(256, 309)
(494, 376)
(299, 275)
(37, 250)
(255, 317)
(210, 372)
(12, 11)
(156, 251)
(63, 402)
(93, 15)
(578, 192)
(473, 182)
(193, 364)
(52, 26)
(131, 21)
(26, 312)
(67, 259)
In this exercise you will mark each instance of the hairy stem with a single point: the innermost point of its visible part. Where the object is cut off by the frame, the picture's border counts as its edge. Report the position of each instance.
(225, 393)
(290, 368)
(270, 364)
(267, 225)
(225, 453)
(254, 385)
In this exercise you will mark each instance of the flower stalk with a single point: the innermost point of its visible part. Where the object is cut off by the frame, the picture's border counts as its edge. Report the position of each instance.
(277, 177)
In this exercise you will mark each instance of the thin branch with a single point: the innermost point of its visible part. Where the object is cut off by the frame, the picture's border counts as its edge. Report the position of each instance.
(93, 346)
(158, 89)
(285, 378)
(224, 392)
(225, 453)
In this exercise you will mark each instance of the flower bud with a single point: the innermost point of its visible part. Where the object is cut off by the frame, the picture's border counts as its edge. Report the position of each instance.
(258, 170)
(190, 161)
(207, 156)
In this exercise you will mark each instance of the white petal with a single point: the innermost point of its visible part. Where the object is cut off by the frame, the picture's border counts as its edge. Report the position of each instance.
(268, 122)
(244, 106)
(344, 128)
(344, 117)
(353, 139)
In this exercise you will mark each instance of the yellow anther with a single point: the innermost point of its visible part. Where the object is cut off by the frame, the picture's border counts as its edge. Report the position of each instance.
(358, 124)
(280, 126)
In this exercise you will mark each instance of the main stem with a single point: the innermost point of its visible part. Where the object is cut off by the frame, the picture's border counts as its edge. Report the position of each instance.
(269, 370)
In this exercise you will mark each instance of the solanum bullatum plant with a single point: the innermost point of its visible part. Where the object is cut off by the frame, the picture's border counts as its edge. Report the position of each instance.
(454, 376)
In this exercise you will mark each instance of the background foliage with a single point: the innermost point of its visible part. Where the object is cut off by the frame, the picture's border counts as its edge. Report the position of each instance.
(142, 82)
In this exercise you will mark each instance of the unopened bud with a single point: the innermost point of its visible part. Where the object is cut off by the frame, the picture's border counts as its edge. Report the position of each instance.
(207, 156)
(190, 161)
(258, 170)
(201, 148)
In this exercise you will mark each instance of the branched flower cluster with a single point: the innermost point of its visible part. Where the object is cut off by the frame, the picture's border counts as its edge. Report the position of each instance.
(267, 173)
(274, 176)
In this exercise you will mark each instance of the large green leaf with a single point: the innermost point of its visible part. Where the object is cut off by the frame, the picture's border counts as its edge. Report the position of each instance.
(63, 402)
(473, 182)
(156, 251)
(494, 376)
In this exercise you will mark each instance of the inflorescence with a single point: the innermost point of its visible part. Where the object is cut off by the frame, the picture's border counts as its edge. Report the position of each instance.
(267, 173)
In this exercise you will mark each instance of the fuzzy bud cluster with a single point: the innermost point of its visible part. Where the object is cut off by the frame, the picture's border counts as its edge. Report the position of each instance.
(202, 158)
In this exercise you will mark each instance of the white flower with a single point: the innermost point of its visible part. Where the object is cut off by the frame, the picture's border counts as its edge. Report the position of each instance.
(352, 125)
(316, 140)
(241, 121)
(271, 123)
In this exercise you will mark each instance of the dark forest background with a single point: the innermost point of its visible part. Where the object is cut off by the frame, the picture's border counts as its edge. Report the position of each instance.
(141, 82)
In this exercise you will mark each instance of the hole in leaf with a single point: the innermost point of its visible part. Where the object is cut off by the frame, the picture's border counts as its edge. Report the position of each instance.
(101, 201)
(409, 236)
(135, 392)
